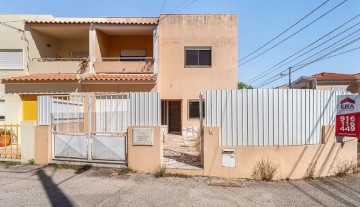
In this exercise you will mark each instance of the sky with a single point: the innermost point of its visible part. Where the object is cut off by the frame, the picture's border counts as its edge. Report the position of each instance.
(259, 22)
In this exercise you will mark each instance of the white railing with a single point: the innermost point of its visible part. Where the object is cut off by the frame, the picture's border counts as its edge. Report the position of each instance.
(270, 117)
(148, 59)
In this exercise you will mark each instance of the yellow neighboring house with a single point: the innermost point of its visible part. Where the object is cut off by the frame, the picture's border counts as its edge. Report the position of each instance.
(179, 56)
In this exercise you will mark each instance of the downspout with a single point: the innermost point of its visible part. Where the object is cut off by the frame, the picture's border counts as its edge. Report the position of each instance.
(92, 47)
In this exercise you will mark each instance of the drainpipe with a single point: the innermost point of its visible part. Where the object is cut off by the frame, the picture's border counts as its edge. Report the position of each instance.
(92, 47)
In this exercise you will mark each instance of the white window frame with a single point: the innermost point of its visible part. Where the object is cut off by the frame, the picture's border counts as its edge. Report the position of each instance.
(2, 109)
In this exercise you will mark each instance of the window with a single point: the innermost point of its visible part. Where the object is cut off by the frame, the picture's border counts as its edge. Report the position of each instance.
(11, 59)
(132, 54)
(194, 110)
(2, 109)
(197, 56)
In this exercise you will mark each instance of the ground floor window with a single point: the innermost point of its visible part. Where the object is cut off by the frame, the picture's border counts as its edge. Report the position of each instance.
(2, 109)
(194, 109)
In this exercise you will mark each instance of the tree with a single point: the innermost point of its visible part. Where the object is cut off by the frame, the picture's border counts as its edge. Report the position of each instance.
(242, 85)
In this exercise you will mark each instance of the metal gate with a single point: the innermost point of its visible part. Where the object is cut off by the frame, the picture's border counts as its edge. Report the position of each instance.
(90, 127)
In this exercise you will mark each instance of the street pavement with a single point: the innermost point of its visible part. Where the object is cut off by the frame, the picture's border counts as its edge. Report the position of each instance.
(45, 186)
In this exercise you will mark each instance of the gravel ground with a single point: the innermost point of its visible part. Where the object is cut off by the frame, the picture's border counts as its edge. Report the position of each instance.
(45, 186)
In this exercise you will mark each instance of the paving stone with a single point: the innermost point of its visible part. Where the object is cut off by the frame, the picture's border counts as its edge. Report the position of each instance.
(181, 153)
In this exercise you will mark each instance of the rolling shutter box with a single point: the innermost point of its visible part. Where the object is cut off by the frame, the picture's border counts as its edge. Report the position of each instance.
(133, 53)
(11, 59)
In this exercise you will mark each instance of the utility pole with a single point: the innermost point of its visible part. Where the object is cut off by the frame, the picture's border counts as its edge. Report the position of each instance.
(290, 77)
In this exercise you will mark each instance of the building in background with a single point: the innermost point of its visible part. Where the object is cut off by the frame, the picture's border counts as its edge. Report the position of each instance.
(329, 81)
(179, 56)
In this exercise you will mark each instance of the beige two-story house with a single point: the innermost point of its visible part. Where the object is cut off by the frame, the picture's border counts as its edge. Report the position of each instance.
(179, 56)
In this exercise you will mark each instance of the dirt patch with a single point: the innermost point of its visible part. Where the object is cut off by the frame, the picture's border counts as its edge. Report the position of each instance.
(226, 182)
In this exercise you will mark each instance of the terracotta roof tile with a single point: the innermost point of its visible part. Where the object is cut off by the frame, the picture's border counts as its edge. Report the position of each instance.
(335, 76)
(43, 77)
(144, 21)
(74, 77)
(111, 77)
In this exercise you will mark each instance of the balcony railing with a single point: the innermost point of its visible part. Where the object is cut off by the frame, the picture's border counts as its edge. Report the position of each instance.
(124, 65)
(56, 65)
(55, 59)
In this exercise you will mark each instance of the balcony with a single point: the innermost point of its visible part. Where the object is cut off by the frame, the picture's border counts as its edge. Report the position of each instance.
(124, 49)
(57, 48)
(124, 65)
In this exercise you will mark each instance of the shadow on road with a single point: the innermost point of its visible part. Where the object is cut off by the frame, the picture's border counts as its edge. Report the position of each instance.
(53, 192)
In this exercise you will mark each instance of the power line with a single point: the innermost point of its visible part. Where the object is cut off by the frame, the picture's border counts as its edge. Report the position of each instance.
(296, 23)
(325, 49)
(174, 11)
(313, 61)
(356, 48)
(282, 41)
(274, 68)
(162, 7)
(282, 73)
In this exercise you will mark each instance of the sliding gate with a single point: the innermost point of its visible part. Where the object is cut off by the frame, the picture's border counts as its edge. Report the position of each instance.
(90, 127)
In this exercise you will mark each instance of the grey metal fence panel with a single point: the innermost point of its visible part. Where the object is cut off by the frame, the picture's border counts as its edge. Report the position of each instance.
(270, 117)
(44, 110)
(145, 109)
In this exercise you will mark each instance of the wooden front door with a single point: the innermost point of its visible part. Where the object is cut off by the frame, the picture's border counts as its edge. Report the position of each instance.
(174, 116)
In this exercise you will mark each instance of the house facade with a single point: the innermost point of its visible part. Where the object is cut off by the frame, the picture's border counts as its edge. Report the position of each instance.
(179, 56)
(329, 81)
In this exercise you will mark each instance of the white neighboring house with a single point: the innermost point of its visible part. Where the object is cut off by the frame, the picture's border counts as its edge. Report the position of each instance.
(329, 81)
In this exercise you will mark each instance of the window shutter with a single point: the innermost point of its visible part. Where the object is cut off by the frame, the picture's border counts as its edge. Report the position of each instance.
(133, 53)
(2, 109)
(79, 54)
(11, 59)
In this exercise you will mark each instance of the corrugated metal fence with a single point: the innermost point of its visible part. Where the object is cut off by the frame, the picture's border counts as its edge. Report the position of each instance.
(270, 117)
(134, 109)
(145, 109)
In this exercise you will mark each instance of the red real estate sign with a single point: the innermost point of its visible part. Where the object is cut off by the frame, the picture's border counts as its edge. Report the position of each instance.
(348, 116)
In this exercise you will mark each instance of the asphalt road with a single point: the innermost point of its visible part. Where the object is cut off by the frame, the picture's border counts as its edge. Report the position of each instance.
(36, 186)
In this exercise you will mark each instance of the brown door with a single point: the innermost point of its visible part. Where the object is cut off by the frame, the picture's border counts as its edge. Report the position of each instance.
(174, 116)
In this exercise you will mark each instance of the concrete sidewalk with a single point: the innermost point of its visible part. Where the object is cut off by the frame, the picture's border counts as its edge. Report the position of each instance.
(36, 186)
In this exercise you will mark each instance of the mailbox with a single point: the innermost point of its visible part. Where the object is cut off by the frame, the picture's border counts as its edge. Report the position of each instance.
(228, 158)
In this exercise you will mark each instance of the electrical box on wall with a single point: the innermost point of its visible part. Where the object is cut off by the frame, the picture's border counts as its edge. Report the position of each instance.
(228, 158)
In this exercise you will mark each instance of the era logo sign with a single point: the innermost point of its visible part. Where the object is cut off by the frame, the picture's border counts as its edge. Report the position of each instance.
(347, 103)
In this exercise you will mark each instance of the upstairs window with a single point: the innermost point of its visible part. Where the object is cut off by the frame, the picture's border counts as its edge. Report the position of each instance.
(11, 59)
(132, 54)
(197, 56)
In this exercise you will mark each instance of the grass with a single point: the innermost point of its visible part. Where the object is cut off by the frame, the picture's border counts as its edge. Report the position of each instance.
(125, 171)
(310, 171)
(77, 168)
(31, 162)
(345, 167)
(161, 172)
(8, 164)
(264, 170)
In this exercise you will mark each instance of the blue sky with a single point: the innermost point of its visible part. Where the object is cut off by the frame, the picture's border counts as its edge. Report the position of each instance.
(259, 21)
